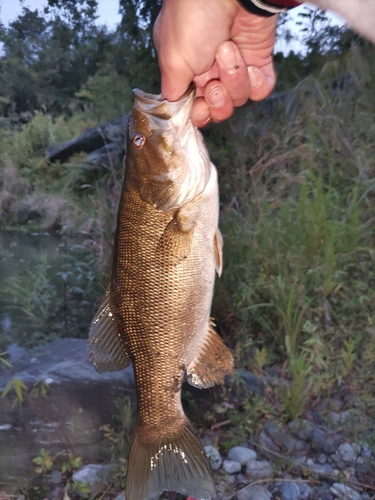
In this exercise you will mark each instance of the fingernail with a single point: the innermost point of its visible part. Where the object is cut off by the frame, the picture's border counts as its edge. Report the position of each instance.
(215, 97)
(227, 59)
(203, 117)
(253, 76)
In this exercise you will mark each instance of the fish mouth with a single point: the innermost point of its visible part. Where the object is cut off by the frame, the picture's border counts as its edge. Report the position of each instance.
(161, 109)
(187, 164)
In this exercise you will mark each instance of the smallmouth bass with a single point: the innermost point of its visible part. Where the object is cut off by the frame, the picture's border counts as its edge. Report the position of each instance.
(156, 309)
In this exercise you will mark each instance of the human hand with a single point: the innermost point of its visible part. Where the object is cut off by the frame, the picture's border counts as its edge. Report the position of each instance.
(225, 50)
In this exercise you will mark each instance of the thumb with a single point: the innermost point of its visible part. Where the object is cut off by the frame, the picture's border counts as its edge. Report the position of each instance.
(175, 79)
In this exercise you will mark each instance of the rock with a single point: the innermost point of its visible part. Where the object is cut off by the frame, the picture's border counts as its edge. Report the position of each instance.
(339, 418)
(275, 433)
(253, 382)
(259, 469)
(255, 492)
(347, 453)
(303, 429)
(344, 492)
(267, 443)
(5, 427)
(56, 477)
(322, 441)
(93, 474)
(290, 491)
(323, 469)
(78, 402)
(322, 459)
(120, 496)
(231, 466)
(338, 461)
(241, 454)
(213, 456)
(15, 352)
(366, 450)
(306, 491)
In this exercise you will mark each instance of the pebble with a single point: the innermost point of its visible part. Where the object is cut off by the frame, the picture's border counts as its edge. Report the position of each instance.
(319, 468)
(324, 442)
(303, 429)
(322, 459)
(259, 469)
(339, 418)
(306, 491)
(267, 443)
(93, 474)
(366, 450)
(290, 491)
(231, 466)
(213, 456)
(5, 427)
(347, 453)
(120, 496)
(344, 492)
(241, 454)
(255, 492)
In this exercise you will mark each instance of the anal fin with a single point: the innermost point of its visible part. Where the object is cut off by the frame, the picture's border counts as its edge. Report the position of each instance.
(105, 348)
(212, 363)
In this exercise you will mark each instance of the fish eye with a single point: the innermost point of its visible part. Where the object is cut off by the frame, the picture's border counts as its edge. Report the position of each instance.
(138, 140)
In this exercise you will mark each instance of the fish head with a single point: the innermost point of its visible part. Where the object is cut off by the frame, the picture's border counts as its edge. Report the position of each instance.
(166, 153)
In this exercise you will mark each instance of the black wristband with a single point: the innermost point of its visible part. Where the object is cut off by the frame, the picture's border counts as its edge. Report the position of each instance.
(262, 8)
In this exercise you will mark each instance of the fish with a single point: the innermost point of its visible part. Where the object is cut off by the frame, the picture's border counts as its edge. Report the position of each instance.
(156, 308)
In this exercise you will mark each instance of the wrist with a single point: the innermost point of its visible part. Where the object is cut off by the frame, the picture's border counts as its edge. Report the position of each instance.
(267, 8)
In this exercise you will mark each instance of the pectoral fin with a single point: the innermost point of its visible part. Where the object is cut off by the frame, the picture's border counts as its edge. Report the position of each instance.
(105, 348)
(218, 245)
(213, 362)
(175, 243)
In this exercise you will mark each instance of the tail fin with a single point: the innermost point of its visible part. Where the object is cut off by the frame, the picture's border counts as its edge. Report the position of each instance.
(177, 464)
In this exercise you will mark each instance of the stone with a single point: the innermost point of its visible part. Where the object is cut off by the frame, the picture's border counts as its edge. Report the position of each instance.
(347, 453)
(259, 469)
(306, 491)
(79, 401)
(344, 492)
(322, 441)
(120, 496)
(303, 429)
(290, 491)
(254, 492)
(324, 469)
(93, 474)
(56, 477)
(322, 459)
(231, 466)
(241, 454)
(366, 450)
(339, 418)
(213, 456)
(338, 461)
(5, 427)
(267, 443)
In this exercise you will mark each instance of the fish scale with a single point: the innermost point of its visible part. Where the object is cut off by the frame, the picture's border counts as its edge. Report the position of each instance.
(156, 310)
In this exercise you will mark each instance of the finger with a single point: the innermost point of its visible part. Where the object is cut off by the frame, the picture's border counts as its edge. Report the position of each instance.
(262, 82)
(175, 79)
(219, 102)
(233, 73)
(212, 74)
(200, 113)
